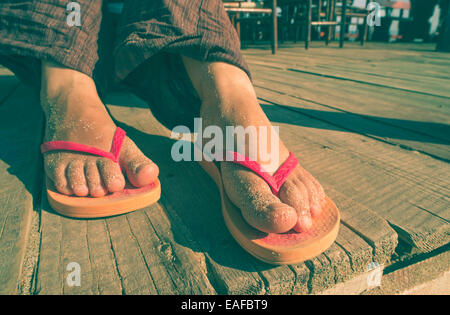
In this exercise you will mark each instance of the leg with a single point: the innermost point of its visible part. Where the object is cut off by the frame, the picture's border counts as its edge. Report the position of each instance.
(274, 27)
(308, 23)
(67, 58)
(343, 23)
(228, 99)
(365, 30)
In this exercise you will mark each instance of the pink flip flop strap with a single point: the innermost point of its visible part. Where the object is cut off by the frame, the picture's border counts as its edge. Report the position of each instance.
(119, 136)
(276, 180)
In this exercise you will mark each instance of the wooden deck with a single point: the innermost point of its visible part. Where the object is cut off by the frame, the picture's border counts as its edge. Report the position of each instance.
(371, 123)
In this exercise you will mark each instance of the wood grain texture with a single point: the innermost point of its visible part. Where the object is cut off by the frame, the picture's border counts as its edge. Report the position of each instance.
(405, 67)
(416, 276)
(374, 132)
(21, 123)
(386, 179)
(415, 122)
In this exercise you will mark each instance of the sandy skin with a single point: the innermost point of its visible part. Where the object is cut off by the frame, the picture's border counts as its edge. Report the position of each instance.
(74, 112)
(228, 99)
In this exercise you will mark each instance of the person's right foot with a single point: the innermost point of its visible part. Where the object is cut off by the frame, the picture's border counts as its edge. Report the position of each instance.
(74, 112)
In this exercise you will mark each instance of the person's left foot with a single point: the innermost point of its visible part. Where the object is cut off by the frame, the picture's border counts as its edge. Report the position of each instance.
(228, 99)
(300, 197)
(298, 203)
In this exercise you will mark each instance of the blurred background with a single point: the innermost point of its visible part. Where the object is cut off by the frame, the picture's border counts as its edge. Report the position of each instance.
(309, 20)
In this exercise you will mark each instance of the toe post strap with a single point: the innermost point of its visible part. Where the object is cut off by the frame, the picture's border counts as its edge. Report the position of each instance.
(113, 155)
(276, 180)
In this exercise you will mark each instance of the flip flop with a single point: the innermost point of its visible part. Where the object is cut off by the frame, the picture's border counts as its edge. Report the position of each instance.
(127, 200)
(285, 248)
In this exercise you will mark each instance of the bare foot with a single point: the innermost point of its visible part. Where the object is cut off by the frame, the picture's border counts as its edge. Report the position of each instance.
(228, 99)
(74, 112)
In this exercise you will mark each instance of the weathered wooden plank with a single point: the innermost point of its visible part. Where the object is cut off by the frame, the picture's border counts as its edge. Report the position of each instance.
(391, 60)
(66, 241)
(281, 280)
(377, 175)
(361, 265)
(184, 269)
(369, 226)
(438, 286)
(27, 278)
(20, 168)
(49, 272)
(406, 139)
(307, 80)
(74, 249)
(110, 259)
(302, 276)
(408, 279)
(346, 259)
(419, 122)
(106, 279)
(333, 119)
(385, 68)
(357, 250)
(134, 274)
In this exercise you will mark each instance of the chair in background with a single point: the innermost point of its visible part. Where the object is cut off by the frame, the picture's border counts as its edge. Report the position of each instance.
(320, 13)
(306, 14)
(238, 7)
(348, 12)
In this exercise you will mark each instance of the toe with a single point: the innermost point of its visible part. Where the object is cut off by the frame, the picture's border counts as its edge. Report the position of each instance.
(58, 176)
(272, 218)
(303, 224)
(76, 178)
(93, 179)
(141, 171)
(111, 175)
(295, 194)
(259, 206)
(315, 191)
(320, 197)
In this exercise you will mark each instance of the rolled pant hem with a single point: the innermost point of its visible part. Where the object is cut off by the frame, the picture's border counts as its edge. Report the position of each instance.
(130, 54)
(60, 55)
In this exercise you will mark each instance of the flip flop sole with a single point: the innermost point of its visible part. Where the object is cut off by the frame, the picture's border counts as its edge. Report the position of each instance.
(128, 200)
(278, 249)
